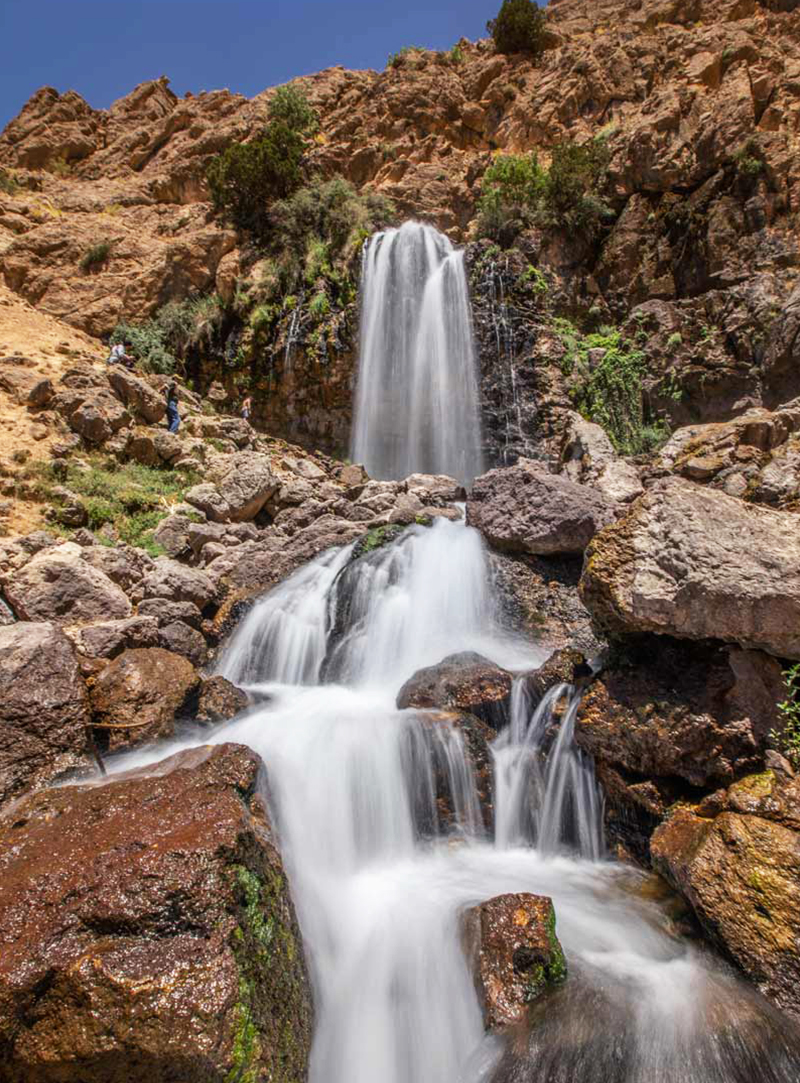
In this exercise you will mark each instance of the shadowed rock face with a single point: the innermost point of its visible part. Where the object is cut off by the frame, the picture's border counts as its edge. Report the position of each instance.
(147, 933)
(462, 682)
(515, 954)
(44, 708)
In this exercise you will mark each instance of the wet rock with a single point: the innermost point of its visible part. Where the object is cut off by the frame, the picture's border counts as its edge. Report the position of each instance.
(148, 933)
(59, 585)
(452, 741)
(697, 712)
(515, 955)
(220, 701)
(175, 582)
(694, 563)
(138, 697)
(741, 875)
(526, 509)
(44, 707)
(538, 597)
(461, 682)
(565, 666)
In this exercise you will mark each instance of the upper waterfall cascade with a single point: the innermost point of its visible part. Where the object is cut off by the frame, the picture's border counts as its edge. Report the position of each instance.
(417, 402)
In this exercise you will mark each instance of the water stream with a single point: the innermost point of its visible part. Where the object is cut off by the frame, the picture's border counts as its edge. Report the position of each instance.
(379, 875)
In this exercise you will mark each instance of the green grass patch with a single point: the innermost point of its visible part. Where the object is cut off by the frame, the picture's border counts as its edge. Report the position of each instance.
(96, 256)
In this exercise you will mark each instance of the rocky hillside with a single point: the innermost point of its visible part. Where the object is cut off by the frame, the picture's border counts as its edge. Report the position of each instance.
(696, 101)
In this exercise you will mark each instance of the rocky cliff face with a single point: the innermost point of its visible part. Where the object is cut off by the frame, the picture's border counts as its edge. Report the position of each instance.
(698, 102)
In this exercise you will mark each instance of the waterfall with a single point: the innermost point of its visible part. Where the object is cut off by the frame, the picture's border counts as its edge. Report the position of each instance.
(377, 811)
(417, 402)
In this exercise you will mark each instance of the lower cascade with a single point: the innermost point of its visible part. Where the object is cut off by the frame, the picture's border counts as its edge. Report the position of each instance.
(382, 832)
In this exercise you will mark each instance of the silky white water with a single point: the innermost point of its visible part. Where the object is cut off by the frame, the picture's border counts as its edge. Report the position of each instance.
(417, 402)
(380, 880)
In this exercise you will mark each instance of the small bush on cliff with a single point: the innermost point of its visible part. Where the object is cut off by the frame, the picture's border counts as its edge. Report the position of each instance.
(162, 343)
(96, 256)
(518, 28)
(247, 177)
(8, 183)
(606, 372)
(518, 192)
(787, 738)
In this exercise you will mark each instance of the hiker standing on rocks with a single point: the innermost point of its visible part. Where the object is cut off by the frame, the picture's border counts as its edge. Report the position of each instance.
(173, 417)
(246, 407)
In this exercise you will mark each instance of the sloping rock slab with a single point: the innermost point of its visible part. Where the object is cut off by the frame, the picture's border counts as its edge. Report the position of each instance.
(696, 564)
(147, 934)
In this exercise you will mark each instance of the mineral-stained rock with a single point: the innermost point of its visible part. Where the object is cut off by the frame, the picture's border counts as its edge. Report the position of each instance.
(565, 666)
(515, 954)
(461, 682)
(58, 584)
(526, 509)
(147, 933)
(44, 707)
(220, 700)
(741, 874)
(697, 712)
(139, 695)
(697, 564)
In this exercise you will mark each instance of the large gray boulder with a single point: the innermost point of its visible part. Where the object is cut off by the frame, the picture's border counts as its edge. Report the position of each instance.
(694, 563)
(44, 707)
(177, 583)
(59, 585)
(526, 509)
(237, 488)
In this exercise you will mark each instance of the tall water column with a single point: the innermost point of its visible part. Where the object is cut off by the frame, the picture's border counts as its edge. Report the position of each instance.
(417, 405)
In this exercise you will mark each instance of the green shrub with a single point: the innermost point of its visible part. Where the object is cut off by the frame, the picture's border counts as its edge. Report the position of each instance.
(8, 183)
(609, 391)
(518, 192)
(163, 342)
(518, 28)
(247, 177)
(787, 738)
(456, 55)
(319, 306)
(96, 256)
(749, 160)
(408, 51)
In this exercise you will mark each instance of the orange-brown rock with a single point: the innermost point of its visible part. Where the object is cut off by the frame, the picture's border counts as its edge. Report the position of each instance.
(147, 933)
(515, 955)
(461, 682)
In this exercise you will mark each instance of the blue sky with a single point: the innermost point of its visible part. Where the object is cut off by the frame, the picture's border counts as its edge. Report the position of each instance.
(103, 50)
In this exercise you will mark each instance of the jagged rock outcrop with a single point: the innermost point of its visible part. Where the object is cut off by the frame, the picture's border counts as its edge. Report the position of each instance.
(515, 955)
(44, 707)
(147, 931)
(697, 564)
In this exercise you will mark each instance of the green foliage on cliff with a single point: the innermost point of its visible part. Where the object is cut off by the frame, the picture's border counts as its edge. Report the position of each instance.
(247, 177)
(787, 738)
(518, 192)
(518, 28)
(606, 371)
(8, 183)
(96, 255)
(162, 343)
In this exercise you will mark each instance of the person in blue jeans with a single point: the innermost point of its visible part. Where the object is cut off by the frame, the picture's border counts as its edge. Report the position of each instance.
(173, 417)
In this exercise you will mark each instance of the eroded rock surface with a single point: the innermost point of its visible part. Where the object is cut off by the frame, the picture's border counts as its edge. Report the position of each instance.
(148, 933)
(461, 682)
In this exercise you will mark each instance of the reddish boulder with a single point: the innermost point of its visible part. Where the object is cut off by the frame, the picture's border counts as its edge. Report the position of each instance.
(220, 700)
(515, 954)
(147, 934)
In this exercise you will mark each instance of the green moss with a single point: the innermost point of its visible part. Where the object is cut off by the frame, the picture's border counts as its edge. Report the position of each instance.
(557, 967)
(376, 538)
